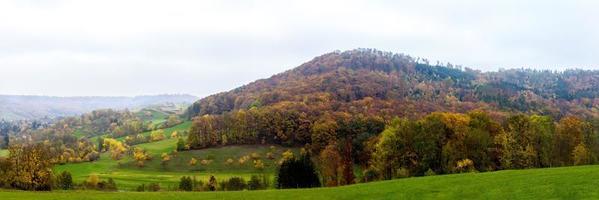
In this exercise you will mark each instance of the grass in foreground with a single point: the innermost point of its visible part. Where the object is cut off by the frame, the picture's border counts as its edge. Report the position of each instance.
(554, 183)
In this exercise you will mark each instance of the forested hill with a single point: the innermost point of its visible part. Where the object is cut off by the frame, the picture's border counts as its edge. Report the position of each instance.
(388, 84)
(19, 107)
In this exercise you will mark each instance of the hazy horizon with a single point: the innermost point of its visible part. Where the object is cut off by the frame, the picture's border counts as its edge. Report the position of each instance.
(92, 96)
(131, 48)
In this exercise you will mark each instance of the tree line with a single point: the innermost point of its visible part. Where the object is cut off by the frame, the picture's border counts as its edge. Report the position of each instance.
(438, 143)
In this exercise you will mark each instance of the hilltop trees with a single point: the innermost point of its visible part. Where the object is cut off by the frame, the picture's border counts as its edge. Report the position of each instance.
(400, 85)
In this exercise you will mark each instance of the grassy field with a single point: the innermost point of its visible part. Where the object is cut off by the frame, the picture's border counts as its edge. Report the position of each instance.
(128, 176)
(553, 183)
(156, 117)
(3, 152)
(167, 131)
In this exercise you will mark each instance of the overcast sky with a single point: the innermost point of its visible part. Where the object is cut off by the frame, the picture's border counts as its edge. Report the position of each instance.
(91, 48)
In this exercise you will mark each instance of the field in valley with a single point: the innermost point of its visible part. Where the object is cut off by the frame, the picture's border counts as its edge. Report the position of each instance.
(128, 175)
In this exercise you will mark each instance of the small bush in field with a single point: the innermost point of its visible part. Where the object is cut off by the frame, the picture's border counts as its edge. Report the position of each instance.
(205, 162)
(270, 156)
(234, 184)
(229, 161)
(258, 164)
(255, 156)
(154, 187)
(243, 159)
(258, 182)
(193, 162)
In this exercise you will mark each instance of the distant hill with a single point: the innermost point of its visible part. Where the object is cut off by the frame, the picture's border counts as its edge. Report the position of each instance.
(16, 107)
(389, 84)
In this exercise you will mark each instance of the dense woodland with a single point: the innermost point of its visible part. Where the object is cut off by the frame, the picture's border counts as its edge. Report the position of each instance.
(412, 87)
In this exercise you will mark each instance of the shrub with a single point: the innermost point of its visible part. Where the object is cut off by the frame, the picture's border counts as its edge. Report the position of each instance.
(402, 173)
(430, 172)
(255, 156)
(205, 162)
(258, 164)
(369, 175)
(181, 145)
(106, 186)
(64, 180)
(157, 135)
(234, 184)
(140, 156)
(198, 185)
(93, 156)
(92, 181)
(465, 165)
(154, 187)
(212, 183)
(258, 182)
(243, 159)
(287, 155)
(193, 162)
(185, 184)
(270, 155)
(229, 161)
(140, 188)
(110, 185)
(165, 159)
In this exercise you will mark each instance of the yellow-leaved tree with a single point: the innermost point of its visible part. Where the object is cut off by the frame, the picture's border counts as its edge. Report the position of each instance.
(117, 149)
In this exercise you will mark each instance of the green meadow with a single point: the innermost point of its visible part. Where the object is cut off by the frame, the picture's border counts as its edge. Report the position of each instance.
(128, 175)
(549, 183)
